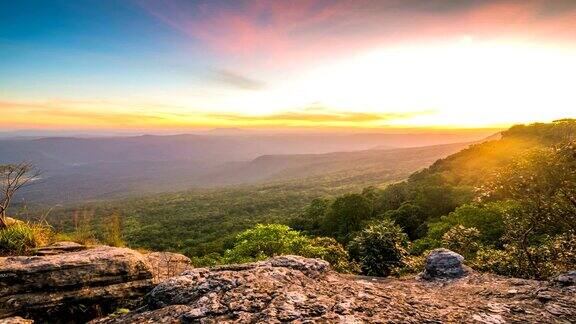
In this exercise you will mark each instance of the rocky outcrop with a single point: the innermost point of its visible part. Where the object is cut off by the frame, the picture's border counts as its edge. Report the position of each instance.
(75, 285)
(59, 248)
(165, 265)
(295, 289)
(444, 264)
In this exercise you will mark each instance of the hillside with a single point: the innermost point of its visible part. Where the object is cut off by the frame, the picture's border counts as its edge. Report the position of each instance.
(200, 221)
(116, 167)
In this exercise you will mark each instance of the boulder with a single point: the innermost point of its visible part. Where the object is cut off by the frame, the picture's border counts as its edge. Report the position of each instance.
(444, 264)
(166, 264)
(73, 286)
(566, 279)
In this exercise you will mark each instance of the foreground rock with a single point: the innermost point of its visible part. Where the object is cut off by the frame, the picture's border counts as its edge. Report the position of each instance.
(73, 286)
(59, 248)
(165, 265)
(444, 264)
(293, 288)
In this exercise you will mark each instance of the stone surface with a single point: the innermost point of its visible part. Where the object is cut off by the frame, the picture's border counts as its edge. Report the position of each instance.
(300, 290)
(59, 248)
(15, 320)
(444, 264)
(166, 264)
(74, 286)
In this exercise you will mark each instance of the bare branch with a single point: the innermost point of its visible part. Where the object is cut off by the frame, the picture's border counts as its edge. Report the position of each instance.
(14, 177)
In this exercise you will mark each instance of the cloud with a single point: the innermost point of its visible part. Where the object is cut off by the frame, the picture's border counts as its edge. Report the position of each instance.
(290, 32)
(237, 80)
(81, 111)
(320, 115)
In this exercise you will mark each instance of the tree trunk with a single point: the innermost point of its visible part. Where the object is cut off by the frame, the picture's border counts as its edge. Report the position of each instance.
(3, 223)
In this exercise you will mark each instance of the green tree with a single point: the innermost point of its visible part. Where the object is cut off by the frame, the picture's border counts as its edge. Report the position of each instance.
(543, 182)
(380, 248)
(411, 218)
(487, 218)
(310, 220)
(346, 216)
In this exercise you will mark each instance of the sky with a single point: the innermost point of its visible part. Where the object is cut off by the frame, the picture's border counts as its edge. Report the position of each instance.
(351, 64)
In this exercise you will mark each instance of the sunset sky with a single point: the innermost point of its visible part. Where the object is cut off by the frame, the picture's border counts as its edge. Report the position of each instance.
(179, 65)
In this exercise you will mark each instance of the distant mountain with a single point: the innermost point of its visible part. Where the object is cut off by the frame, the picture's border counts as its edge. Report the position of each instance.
(228, 131)
(77, 169)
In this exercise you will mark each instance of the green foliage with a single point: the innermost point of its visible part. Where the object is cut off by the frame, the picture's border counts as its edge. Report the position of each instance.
(486, 218)
(552, 256)
(463, 240)
(346, 216)
(335, 254)
(208, 260)
(409, 217)
(543, 185)
(22, 238)
(380, 248)
(310, 220)
(265, 241)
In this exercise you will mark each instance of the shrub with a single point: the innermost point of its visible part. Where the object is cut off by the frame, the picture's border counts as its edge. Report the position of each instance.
(497, 261)
(380, 248)
(411, 264)
(22, 238)
(264, 241)
(487, 218)
(552, 256)
(463, 240)
(333, 252)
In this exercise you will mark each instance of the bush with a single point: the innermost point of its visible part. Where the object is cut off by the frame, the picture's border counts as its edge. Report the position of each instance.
(552, 256)
(380, 248)
(264, 241)
(22, 238)
(463, 240)
(502, 262)
(333, 252)
(487, 219)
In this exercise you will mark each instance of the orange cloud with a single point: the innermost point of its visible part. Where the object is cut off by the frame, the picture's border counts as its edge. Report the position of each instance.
(320, 116)
(97, 114)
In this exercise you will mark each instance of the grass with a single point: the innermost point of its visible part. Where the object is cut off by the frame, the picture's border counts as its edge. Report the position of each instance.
(22, 238)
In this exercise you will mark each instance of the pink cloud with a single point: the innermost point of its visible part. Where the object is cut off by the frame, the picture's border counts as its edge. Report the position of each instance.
(285, 32)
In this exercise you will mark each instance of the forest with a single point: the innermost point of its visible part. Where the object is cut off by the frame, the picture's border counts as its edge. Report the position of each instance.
(508, 205)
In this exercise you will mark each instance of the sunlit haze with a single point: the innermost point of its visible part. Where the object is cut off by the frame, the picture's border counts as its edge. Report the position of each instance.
(379, 65)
